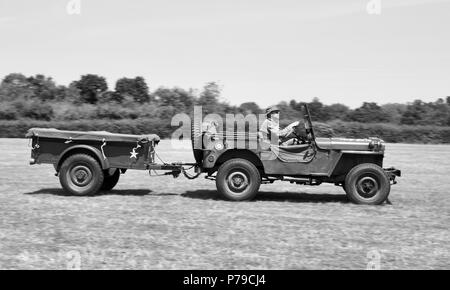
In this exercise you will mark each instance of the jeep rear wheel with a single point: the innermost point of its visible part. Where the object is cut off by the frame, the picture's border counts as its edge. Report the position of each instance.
(367, 184)
(81, 174)
(238, 179)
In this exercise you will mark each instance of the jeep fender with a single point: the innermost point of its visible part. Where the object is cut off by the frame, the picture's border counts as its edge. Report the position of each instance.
(239, 153)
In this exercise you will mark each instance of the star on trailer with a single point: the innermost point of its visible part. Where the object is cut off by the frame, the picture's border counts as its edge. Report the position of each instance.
(134, 153)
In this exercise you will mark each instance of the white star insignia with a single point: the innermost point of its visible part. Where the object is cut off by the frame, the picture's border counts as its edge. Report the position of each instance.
(133, 154)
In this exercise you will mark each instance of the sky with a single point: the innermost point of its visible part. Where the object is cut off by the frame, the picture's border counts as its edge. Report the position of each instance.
(264, 51)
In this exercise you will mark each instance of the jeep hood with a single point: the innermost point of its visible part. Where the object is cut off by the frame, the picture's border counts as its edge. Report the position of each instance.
(368, 144)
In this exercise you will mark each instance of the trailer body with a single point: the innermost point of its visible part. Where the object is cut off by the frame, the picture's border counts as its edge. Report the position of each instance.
(110, 150)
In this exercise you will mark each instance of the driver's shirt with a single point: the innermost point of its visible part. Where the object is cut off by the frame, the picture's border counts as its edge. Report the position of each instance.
(271, 128)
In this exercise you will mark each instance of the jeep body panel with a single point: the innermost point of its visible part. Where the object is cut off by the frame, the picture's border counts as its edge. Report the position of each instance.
(367, 144)
(329, 152)
(333, 157)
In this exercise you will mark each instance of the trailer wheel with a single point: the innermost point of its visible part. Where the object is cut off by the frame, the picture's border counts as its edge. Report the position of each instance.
(81, 174)
(238, 179)
(110, 180)
(367, 184)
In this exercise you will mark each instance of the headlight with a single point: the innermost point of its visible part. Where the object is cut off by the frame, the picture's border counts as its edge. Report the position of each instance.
(218, 146)
(376, 145)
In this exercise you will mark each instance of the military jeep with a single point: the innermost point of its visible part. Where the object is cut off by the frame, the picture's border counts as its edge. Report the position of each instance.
(240, 161)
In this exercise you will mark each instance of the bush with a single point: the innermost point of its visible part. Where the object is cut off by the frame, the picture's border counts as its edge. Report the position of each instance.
(8, 112)
(392, 133)
(115, 112)
(32, 109)
(323, 130)
(18, 128)
(388, 132)
(67, 111)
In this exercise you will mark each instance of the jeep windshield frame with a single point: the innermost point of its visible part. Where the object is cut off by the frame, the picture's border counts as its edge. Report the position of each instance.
(309, 126)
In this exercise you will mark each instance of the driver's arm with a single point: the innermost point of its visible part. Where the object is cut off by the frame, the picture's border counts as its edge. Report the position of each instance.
(280, 133)
(289, 129)
(293, 124)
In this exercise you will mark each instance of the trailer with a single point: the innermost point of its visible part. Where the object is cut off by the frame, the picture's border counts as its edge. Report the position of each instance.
(239, 162)
(87, 162)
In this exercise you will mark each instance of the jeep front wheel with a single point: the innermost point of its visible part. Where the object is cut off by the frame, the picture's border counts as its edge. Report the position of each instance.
(367, 184)
(238, 179)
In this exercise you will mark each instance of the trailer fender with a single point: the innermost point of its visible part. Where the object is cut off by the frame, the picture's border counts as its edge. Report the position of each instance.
(96, 153)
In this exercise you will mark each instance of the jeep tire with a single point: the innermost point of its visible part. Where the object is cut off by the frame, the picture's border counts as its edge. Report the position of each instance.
(238, 179)
(367, 184)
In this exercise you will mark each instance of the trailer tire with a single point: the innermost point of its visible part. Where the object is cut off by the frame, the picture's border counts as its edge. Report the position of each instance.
(81, 174)
(238, 179)
(110, 180)
(367, 183)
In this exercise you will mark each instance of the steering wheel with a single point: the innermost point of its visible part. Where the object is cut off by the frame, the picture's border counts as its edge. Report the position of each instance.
(302, 139)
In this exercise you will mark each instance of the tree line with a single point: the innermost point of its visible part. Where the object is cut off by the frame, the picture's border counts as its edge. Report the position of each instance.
(40, 98)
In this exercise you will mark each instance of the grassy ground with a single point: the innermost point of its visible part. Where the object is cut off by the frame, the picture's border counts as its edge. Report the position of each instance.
(166, 223)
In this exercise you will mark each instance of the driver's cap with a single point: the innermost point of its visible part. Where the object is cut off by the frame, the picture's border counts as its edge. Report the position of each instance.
(272, 109)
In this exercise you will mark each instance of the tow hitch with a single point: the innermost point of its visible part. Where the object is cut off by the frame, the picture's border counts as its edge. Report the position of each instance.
(393, 173)
(175, 169)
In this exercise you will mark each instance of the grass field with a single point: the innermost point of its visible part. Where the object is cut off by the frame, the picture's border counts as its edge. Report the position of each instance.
(165, 223)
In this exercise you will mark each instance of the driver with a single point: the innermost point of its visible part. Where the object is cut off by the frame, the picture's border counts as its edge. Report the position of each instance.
(271, 131)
